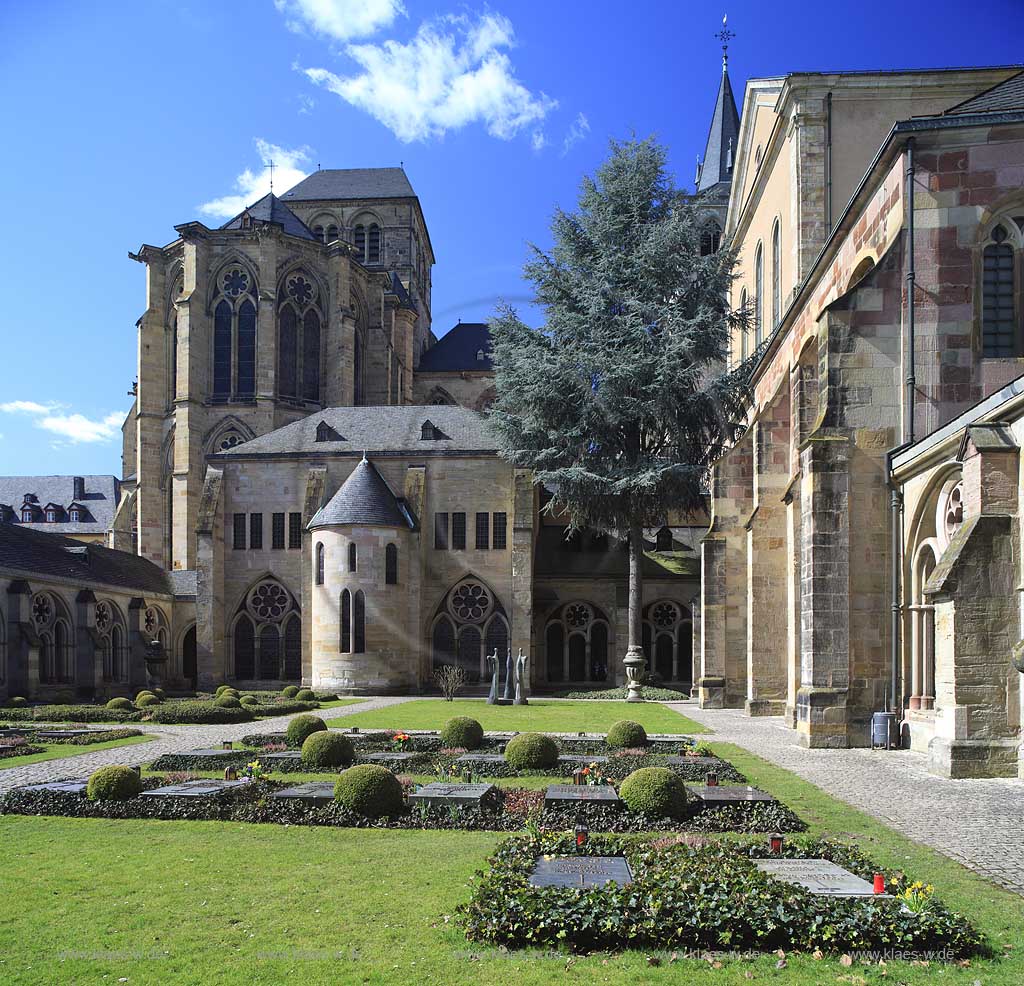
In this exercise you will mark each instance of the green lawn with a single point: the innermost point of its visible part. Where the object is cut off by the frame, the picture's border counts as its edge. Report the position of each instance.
(60, 751)
(178, 903)
(539, 715)
(339, 702)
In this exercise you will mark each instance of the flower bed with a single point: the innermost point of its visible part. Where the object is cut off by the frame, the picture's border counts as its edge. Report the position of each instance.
(709, 896)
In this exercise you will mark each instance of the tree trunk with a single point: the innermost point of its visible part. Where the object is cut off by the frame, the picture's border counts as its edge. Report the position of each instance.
(636, 591)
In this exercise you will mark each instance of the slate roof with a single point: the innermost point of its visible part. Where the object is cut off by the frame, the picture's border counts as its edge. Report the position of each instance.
(52, 555)
(270, 209)
(99, 499)
(365, 499)
(1006, 95)
(352, 183)
(720, 151)
(374, 430)
(456, 350)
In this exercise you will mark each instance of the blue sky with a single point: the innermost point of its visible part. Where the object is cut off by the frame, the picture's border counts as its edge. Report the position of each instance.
(121, 119)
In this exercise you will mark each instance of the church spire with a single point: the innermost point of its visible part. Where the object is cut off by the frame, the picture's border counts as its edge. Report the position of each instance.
(720, 150)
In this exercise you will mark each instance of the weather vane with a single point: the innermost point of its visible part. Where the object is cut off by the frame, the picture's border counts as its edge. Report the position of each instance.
(725, 36)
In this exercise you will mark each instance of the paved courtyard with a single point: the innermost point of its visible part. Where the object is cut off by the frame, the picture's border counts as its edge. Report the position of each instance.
(976, 822)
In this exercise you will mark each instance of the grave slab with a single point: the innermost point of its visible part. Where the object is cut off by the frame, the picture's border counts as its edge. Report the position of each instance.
(569, 794)
(581, 871)
(440, 794)
(63, 733)
(480, 759)
(281, 758)
(385, 757)
(63, 787)
(819, 876)
(677, 760)
(314, 792)
(220, 754)
(194, 789)
(584, 758)
(729, 794)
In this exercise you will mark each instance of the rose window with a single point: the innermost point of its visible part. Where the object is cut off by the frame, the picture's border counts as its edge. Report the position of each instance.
(269, 601)
(300, 290)
(42, 611)
(953, 515)
(236, 282)
(665, 615)
(470, 602)
(230, 440)
(577, 615)
(103, 618)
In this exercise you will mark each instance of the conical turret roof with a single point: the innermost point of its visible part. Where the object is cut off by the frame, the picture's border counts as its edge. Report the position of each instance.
(364, 499)
(720, 152)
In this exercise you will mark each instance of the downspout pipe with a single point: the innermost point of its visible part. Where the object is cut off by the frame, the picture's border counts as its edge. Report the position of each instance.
(828, 164)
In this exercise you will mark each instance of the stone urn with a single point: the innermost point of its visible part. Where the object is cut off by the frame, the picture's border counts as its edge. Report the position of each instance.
(634, 663)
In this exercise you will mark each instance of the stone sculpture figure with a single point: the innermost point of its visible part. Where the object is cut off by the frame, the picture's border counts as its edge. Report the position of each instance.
(492, 669)
(510, 675)
(521, 661)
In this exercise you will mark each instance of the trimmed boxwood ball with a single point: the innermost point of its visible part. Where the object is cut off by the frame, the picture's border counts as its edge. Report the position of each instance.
(221, 688)
(249, 700)
(528, 751)
(121, 705)
(17, 702)
(462, 732)
(227, 701)
(144, 701)
(302, 726)
(305, 695)
(290, 691)
(325, 749)
(159, 693)
(369, 790)
(655, 791)
(626, 735)
(113, 783)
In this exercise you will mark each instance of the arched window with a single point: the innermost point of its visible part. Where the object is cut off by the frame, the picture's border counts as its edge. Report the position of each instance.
(391, 565)
(352, 556)
(245, 649)
(758, 294)
(319, 564)
(744, 331)
(373, 245)
(311, 356)
(554, 638)
(318, 232)
(577, 643)
(118, 655)
(496, 637)
(710, 238)
(246, 385)
(442, 643)
(476, 616)
(62, 652)
(1000, 332)
(668, 640)
(222, 317)
(270, 652)
(332, 234)
(287, 334)
(360, 242)
(346, 621)
(293, 648)
(358, 623)
(776, 276)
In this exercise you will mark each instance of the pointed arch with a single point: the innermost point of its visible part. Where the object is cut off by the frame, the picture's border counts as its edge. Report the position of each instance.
(223, 316)
(440, 396)
(346, 622)
(243, 638)
(358, 622)
(292, 648)
(287, 351)
(228, 432)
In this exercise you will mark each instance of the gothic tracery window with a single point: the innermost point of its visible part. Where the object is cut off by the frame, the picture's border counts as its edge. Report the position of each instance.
(1000, 323)
(576, 643)
(298, 339)
(470, 624)
(234, 336)
(668, 640)
(264, 639)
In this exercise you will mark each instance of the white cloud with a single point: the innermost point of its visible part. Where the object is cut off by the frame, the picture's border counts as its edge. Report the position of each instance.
(578, 129)
(74, 427)
(538, 141)
(340, 20)
(27, 407)
(451, 74)
(253, 185)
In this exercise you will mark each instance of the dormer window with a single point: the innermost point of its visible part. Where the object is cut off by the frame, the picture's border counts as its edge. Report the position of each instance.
(480, 355)
(431, 433)
(75, 513)
(325, 433)
(51, 516)
(26, 515)
(663, 540)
